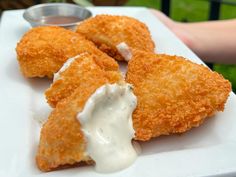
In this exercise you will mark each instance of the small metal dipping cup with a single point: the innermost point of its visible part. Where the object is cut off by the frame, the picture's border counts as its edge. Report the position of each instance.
(64, 15)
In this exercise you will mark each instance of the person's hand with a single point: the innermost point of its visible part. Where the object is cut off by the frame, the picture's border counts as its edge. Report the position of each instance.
(212, 41)
(175, 27)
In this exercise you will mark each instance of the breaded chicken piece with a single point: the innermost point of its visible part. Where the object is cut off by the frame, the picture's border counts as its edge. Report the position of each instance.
(71, 78)
(62, 141)
(108, 31)
(43, 50)
(173, 94)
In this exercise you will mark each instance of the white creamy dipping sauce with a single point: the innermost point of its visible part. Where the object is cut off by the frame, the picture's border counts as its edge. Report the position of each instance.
(106, 122)
(64, 67)
(124, 51)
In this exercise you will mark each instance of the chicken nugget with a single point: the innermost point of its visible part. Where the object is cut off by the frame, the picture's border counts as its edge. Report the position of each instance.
(69, 78)
(173, 94)
(62, 141)
(43, 50)
(117, 35)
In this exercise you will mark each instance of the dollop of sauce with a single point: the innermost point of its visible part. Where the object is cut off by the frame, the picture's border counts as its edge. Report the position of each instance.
(124, 51)
(64, 67)
(106, 122)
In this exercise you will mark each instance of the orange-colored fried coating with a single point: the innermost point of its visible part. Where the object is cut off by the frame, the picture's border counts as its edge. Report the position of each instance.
(62, 141)
(173, 94)
(71, 78)
(43, 50)
(107, 31)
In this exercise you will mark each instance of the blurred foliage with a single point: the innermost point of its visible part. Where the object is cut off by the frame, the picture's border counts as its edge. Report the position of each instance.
(229, 72)
(83, 3)
(56, 0)
(189, 10)
(147, 3)
(228, 11)
(198, 10)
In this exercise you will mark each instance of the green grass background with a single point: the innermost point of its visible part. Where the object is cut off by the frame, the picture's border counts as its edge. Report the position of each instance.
(193, 11)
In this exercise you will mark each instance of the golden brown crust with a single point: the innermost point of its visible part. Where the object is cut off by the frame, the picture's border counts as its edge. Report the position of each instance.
(62, 141)
(43, 50)
(173, 94)
(79, 73)
(107, 31)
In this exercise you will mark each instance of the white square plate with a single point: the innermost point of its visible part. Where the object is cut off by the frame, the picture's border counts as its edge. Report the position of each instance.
(209, 150)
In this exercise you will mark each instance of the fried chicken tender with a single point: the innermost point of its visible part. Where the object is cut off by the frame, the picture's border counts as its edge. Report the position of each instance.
(43, 50)
(71, 78)
(62, 142)
(174, 94)
(108, 31)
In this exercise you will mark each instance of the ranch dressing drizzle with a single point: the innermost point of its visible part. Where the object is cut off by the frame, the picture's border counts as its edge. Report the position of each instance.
(64, 67)
(106, 122)
(124, 51)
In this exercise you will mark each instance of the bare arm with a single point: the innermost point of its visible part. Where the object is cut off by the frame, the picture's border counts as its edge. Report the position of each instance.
(213, 41)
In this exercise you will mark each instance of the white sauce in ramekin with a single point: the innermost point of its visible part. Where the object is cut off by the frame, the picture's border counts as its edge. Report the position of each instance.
(106, 122)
